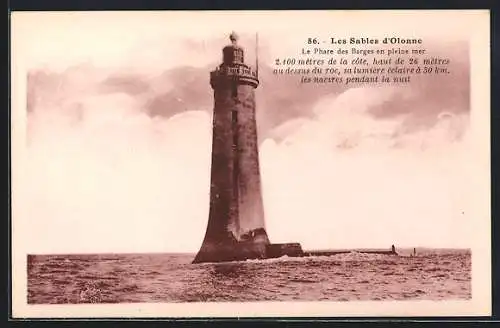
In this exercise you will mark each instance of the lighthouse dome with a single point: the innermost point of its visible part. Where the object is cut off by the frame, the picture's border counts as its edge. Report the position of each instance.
(233, 53)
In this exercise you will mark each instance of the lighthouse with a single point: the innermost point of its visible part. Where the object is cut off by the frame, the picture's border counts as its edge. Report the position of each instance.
(236, 226)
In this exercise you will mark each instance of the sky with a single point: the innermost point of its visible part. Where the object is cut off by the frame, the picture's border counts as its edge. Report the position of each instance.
(119, 142)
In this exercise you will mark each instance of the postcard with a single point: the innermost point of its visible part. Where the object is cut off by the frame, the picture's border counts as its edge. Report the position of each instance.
(250, 163)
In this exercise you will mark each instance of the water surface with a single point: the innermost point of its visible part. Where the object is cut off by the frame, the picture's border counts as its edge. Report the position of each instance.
(117, 278)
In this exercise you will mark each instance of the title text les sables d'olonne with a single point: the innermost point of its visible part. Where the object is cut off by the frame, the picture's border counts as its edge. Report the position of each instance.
(389, 60)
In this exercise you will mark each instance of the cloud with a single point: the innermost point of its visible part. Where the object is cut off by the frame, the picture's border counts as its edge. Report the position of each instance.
(352, 180)
(119, 160)
(119, 179)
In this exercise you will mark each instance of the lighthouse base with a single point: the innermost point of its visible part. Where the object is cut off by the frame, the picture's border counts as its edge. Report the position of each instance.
(251, 245)
(242, 251)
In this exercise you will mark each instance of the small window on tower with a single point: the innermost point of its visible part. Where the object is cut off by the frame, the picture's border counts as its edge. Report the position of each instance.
(234, 117)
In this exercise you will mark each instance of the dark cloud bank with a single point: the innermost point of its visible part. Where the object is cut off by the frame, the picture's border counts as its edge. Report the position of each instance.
(279, 98)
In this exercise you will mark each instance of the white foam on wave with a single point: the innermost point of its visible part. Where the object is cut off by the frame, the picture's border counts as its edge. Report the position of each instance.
(357, 256)
(351, 256)
(342, 257)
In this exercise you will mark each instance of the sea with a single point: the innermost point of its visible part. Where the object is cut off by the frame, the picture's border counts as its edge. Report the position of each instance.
(129, 278)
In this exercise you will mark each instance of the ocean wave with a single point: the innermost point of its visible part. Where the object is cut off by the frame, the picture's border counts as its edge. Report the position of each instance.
(339, 277)
(351, 256)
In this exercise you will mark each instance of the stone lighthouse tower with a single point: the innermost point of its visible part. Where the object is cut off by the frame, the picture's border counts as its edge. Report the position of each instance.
(236, 227)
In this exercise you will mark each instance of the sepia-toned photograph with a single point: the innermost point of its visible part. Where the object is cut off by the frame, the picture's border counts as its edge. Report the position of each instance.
(281, 163)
